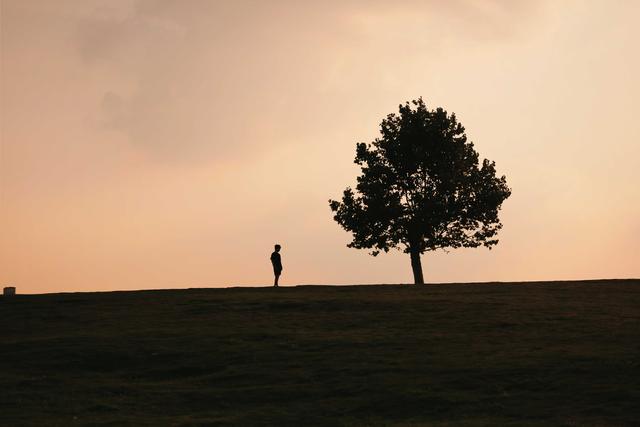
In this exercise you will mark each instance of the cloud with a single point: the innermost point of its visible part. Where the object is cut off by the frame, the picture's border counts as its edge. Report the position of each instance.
(205, 80)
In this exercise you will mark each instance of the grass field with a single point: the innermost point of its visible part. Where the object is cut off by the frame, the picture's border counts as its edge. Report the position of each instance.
(563, 353)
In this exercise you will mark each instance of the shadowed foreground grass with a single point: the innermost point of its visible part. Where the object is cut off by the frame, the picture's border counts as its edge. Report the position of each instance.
(564, 353)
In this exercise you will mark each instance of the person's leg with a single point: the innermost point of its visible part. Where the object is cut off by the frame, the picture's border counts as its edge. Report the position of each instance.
(275, 282)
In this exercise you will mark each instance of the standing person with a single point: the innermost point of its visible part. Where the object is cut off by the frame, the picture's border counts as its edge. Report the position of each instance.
(277, 264)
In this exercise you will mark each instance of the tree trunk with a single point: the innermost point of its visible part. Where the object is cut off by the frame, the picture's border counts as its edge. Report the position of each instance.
(416, 266)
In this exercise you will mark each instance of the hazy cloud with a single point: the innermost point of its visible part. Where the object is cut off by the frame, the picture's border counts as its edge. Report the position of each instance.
(212, 79)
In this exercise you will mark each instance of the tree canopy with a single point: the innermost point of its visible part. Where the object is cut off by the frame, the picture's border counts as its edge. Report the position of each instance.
(422, 188)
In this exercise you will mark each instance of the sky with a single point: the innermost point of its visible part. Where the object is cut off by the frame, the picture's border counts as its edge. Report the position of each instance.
(150, 144)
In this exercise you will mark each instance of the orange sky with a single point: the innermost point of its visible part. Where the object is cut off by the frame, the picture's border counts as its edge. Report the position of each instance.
(166, 144)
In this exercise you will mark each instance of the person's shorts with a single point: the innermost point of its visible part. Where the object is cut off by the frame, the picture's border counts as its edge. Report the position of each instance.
(277, 272)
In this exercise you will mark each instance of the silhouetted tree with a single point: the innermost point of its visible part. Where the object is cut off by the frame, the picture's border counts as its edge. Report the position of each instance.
(421, 188)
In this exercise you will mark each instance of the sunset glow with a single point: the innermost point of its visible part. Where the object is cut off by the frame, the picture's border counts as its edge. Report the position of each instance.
(169, 144)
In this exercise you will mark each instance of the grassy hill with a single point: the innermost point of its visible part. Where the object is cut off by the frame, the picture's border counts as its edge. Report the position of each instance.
(565, 353)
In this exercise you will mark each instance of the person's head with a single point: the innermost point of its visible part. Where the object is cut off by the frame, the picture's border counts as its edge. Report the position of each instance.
(277, 248)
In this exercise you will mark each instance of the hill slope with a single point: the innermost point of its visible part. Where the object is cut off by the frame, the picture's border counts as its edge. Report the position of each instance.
(564, 353)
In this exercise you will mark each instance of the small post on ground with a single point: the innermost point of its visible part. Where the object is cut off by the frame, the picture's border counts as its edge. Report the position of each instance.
(9, 291)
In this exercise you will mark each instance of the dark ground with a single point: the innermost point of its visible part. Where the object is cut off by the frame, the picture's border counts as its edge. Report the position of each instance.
(565, 353)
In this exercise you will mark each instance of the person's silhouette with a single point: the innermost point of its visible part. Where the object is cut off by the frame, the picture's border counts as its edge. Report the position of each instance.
(277, 265)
